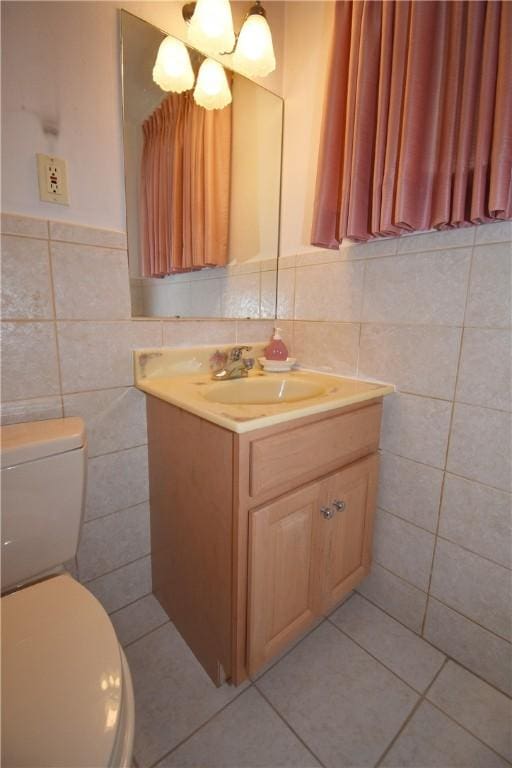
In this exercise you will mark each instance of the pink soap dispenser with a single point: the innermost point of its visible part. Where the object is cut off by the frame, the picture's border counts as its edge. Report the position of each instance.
(276, 350)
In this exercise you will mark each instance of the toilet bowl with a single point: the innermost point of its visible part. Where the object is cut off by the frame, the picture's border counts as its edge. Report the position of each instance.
(67, 696)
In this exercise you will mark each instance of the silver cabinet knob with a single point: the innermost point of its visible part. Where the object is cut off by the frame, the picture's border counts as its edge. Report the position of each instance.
(339, 505)
(327, 512)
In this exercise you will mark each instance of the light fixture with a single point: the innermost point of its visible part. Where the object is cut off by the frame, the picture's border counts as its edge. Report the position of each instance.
(212, 89)
(211, 26)
(254, 52)
(173, 70)
(210, 29)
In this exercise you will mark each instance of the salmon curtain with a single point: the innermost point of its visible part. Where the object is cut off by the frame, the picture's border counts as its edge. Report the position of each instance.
(185, 184)
(417, 129)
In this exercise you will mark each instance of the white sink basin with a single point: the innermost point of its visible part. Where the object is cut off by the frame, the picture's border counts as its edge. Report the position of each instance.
(258, 391)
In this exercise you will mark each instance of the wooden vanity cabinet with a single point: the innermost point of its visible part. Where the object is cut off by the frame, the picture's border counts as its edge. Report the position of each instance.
(248, 548)
(305, 555)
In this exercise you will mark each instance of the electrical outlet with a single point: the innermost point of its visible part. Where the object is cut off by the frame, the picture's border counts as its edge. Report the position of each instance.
(53, 179)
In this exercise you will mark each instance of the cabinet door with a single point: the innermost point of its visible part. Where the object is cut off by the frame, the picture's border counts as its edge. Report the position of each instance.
(283, 572)
(350, 495)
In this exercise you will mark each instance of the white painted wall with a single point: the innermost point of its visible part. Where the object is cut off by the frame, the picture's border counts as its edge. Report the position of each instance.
(61, 95)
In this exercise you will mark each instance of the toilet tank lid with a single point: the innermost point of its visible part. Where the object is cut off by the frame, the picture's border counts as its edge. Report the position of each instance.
(33, 440)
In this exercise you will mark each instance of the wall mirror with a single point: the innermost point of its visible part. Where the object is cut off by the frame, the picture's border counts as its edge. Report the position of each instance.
(202, 190)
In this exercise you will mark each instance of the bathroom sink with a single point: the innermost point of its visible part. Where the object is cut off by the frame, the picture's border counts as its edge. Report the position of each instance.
(183, 378)
(259, 391)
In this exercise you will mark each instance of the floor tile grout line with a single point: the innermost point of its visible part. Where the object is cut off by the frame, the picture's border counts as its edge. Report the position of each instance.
(145, 634)
(87, 521)
(379, 661)
(118, 450)
(114, 570)
(196, 730)
(465, 728)
(288, 725)
(422, 697)
(128, 605)
(410, 716)
(440, 650)
(292, 648)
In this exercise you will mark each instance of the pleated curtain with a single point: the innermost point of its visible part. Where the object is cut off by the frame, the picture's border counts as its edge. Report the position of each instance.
(185, 186)
(417, 126)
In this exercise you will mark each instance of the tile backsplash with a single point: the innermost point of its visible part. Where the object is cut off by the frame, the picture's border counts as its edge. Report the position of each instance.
(430, 313)
(67, 342)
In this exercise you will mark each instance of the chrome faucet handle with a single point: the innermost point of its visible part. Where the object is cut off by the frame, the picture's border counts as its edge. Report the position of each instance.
(237, 352)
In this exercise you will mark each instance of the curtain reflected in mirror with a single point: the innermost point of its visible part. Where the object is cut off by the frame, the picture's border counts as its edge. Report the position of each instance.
(184, 188)
(202, 191)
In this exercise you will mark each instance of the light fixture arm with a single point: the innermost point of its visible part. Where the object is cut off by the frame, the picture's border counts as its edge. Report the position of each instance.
(188, 11)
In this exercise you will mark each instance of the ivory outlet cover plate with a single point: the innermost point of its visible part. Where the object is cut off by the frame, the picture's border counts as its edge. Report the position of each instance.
(53, 179)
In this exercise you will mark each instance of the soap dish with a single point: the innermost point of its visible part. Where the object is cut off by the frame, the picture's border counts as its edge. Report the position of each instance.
(277, 366)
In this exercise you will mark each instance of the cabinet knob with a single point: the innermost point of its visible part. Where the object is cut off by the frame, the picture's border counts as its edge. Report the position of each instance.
(339, 505)
(327, 512)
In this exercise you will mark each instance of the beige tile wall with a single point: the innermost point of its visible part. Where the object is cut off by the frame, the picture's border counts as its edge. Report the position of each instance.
(238, 290)
(430, 313)
(67, 339)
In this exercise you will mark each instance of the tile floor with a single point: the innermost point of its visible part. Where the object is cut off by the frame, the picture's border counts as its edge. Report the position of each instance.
(359, 690)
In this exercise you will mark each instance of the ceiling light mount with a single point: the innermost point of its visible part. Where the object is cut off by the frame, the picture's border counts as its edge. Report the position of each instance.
(257, 9)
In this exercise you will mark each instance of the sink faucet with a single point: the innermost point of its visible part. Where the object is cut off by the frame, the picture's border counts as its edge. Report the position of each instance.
(237, 366)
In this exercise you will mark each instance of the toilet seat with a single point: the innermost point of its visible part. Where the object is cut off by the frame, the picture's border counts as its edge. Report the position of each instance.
(67, 700)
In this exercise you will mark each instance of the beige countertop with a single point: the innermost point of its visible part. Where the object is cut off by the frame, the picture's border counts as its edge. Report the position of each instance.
(182, 378)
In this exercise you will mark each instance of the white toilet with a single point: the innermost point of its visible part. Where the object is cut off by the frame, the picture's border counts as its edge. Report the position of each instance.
(67, 696)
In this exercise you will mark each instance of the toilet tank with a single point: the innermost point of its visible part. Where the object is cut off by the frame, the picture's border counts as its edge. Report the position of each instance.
(43, 471)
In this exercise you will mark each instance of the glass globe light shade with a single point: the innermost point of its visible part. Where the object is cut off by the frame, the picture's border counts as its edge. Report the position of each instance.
(212, 89)
(254, 52)
(211, 27)
(173, 70)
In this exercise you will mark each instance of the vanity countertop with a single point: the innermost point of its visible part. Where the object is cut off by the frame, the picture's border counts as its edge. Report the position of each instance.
(182, 377)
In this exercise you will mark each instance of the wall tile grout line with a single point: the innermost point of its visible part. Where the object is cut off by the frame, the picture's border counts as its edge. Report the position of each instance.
(443, 538)
(455, 610)
(171, 320)
(446, 605)
(448, 442)
(55, 327)
(104, 247)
